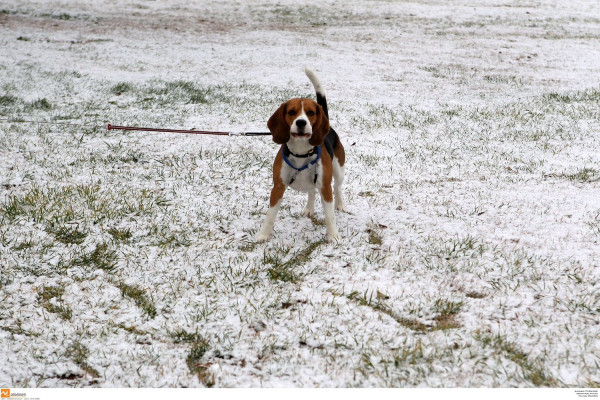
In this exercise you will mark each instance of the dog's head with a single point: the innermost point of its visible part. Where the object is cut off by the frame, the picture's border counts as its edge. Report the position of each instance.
(299, 119)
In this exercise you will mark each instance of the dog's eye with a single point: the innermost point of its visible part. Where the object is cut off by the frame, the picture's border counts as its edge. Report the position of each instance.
(310, 113)
(292, 112)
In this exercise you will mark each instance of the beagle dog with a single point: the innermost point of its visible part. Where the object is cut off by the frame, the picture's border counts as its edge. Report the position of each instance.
(310, 158)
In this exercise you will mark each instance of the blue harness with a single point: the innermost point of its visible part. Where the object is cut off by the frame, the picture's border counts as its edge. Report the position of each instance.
(298, 170)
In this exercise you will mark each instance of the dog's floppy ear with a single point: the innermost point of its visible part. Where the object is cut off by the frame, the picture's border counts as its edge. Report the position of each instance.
(277, 125)
(320, 129)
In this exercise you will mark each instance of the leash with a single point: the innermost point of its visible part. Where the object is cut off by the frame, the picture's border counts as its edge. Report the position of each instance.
(111, 127)
(191, 132)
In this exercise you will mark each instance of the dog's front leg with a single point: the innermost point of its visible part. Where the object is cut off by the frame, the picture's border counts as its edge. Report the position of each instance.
(274, 205)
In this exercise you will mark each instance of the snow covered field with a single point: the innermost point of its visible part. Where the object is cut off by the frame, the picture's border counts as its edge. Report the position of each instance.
(470, 255)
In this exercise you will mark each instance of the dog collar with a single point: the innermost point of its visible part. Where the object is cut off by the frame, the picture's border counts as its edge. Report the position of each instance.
(287, 152)
(312, 152)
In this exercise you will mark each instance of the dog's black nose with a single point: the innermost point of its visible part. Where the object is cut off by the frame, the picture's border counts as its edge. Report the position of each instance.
(301, 123)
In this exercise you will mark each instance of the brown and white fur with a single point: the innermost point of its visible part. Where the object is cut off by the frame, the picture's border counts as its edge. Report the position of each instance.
(303, 124)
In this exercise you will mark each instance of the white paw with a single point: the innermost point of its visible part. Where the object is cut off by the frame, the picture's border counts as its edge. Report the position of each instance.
(308, 212)
(261, 237)
(333, 237)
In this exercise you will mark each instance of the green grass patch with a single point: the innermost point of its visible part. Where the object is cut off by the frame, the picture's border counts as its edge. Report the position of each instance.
(375, 237)
(507, 79)
(183, 336)
(376, 303)
(446, 318)
(409, 355)
(447, 307)
(400, 117)
(280, 270)
(40, 104)
(248, 246)
(59, 205)
(452, 252)
(194, 360)
(120, 88)
(447, 311)
(285, 270)
(463, 246)
(121, 235)
(49, 296)
(234, 96)
(67, 234)
(584, 175)
(181, 91)
(317, 221)
(39, 205)
(132, 329)
(79, 354)
(162, 236)
(189, 91)
(594, 224)
(63, 16)
(532, 370)
(138, 295)
(19, 330)
(588, 95)
(8, 100)
(99, 258)
(475, 295)
(24, 245)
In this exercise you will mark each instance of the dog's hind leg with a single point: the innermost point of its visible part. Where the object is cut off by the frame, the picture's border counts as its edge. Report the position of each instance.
(331, 226)
(309, 210)
(338, 179)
